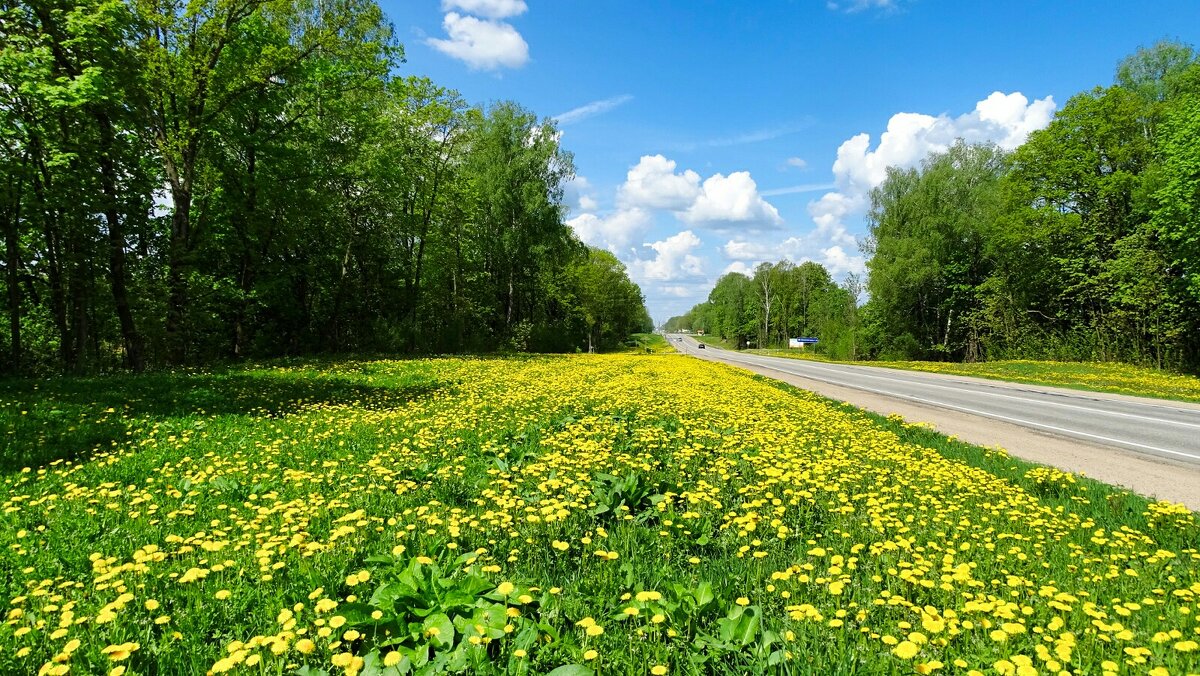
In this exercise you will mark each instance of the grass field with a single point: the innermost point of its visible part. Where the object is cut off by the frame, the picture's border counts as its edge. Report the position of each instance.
(648, 343)
(1092, 376)
(618, 513)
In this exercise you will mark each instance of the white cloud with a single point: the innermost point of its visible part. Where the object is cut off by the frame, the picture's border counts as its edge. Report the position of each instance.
(577, 197)
(829, 215)
(851, 6)
(746, 255)
(482, 44)
(740, 267)
(676, 290)
(591, 109)
(653, 184)
(1003, 119)
(837, 261)
(732, 200)
(794, 189)
(493, 9)
(797, 162)
(616, 232)
(1014, 113)
(718, 202)
(908, 138)
(673, 260)
(748, 251)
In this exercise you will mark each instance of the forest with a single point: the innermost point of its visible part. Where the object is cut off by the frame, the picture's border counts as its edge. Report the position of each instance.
(189, 182)
(780, 301)
(1083, 244)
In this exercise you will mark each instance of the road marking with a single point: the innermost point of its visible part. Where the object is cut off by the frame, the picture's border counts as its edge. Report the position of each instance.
(985, 414)
(1179, 423)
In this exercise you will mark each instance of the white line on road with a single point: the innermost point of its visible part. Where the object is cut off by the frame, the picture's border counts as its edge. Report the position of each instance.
(985, 414)
(750, 360)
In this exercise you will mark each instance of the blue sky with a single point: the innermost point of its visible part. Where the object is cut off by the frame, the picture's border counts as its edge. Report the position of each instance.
(711, 135)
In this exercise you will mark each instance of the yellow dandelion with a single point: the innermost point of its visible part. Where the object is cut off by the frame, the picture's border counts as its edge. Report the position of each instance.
(906, 650)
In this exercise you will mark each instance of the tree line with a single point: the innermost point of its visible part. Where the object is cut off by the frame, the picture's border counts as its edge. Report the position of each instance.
(781, 301)
(1079, 245)
(1082, 244)
(182, 182)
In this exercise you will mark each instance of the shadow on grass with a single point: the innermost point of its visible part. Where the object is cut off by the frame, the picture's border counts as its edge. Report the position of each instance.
(43, 421)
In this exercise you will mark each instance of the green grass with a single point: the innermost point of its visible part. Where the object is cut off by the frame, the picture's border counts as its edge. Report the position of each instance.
(474, 515)
(1111, 507)
(647, 343)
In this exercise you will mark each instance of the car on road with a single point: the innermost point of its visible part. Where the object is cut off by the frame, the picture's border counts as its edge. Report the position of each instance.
(701, 345)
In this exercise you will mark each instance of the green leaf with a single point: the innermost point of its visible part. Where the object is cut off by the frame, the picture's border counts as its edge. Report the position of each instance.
(571, 670)
(444, 637)
(549, 630)
(385, 596)
(356, 613)
(526, 637)
(741, 625)
(457, 660)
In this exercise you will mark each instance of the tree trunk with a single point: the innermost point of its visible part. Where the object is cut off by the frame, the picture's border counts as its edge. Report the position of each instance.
(77, 288)
(246, 274)
(12, 259)
(455, 275)
(176, 297)
(339, 294)
(134, 352)
(52, 233)
(180, 175)
(508, 313)
(245, 285)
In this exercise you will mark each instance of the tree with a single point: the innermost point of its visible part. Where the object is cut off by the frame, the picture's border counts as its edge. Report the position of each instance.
(201, 60)
(928, 229)
(1175, 220)
(765, 276)
(255, 174)
(515, 172)
(1078, 211)
(612, 306)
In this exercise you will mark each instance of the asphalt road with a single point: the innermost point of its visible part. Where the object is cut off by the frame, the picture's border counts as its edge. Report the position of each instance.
(1164, 429)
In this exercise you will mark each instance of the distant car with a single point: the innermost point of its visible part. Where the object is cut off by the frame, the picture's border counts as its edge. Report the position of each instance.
(701, 346)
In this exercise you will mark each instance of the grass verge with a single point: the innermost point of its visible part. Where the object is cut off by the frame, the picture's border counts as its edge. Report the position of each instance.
(567, 514)
(647, 343)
